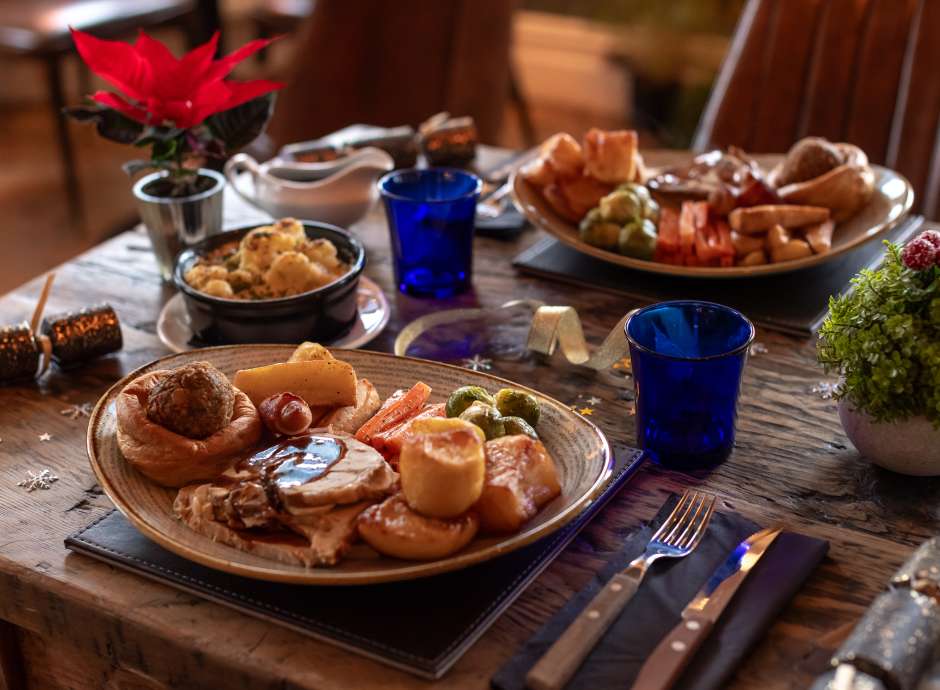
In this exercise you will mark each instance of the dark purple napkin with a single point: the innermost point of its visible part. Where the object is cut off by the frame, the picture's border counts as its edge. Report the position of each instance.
(657, 606)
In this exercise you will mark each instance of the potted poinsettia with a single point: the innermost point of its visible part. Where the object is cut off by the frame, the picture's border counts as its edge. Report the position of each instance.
(184, 112)
(883, 340)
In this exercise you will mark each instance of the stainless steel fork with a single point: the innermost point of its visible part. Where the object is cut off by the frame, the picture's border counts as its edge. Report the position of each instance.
(678, 536)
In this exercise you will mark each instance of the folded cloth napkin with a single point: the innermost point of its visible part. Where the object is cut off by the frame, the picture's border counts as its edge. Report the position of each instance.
(658, 603)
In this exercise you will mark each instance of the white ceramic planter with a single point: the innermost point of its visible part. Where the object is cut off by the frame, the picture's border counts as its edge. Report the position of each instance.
(910, 446)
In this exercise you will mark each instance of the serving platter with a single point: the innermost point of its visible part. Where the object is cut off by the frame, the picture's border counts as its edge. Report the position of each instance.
(174, 330)
(581, 453)
(892, 199)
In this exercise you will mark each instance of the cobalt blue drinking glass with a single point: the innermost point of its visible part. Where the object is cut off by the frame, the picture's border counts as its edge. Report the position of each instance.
(687, 359)
(430, 222)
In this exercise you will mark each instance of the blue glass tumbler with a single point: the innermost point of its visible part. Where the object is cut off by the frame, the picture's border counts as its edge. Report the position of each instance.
(687, 359)
(430, 221)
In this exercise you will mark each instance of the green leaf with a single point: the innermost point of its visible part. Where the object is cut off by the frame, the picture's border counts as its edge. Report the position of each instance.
(242, 124)
(110, 123)
(883, 339)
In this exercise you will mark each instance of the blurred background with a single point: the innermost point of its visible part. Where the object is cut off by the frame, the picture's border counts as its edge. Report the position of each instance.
(524, 69)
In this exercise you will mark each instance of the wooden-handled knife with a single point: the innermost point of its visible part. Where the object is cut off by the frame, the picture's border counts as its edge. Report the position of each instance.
(663, 667)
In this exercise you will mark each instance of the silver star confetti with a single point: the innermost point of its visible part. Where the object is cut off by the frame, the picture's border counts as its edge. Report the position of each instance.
(593, 400)
(824, 389)
(477, 363)
(758, 349)
(77, 411)
(43, 480)
(45, 437)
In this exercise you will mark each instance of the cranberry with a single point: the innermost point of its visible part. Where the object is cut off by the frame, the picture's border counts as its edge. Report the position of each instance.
(919, 254)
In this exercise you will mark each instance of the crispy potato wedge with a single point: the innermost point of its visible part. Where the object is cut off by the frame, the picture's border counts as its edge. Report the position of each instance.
(755, 258)
(319, 382)
(820, 236)
(777, 237)
(746, 244)
(792, 250)
(760, 218)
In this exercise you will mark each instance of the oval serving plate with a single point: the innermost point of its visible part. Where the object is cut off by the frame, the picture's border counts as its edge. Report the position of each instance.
(892, 199)
(581, 453)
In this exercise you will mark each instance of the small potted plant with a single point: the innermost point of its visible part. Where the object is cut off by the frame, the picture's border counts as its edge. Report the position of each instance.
(185, 112)
(883, 340)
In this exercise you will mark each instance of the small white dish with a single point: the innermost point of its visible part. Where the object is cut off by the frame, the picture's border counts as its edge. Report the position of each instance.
(174, 331)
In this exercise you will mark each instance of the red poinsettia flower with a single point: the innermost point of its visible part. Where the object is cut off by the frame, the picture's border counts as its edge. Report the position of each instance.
(159, 89)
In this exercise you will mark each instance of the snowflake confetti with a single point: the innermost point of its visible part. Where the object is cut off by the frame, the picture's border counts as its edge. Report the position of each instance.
(824, 389)
(758, 349)
(77, 411)
(477, 363)
(43, 480)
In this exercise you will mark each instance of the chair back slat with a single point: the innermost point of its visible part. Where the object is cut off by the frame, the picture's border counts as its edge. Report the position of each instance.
(786, 64)
(831, 77)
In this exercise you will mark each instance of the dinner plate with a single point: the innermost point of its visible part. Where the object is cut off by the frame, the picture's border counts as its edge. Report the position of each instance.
(892, 199)
(174, 330)
(579, 449)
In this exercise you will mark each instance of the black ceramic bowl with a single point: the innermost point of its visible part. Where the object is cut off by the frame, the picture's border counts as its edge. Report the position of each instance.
(321, 315)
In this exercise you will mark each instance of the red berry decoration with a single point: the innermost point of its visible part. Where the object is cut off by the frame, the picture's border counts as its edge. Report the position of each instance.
(931, 236)
(919, 254)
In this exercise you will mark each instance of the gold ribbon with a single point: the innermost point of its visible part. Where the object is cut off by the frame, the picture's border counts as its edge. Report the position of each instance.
(551, 327)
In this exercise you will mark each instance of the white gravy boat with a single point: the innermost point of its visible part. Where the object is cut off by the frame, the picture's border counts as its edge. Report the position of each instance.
(338, 192)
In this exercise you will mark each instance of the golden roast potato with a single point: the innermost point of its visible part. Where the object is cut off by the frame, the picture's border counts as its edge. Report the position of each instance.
(442, 466)
(393, 529)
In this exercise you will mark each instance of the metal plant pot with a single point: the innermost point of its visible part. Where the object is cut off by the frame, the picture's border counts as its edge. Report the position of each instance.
(175, 223)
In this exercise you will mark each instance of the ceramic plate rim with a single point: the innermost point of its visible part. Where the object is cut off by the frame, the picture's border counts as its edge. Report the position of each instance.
(354, 344)
(536, 211)
(325, 576)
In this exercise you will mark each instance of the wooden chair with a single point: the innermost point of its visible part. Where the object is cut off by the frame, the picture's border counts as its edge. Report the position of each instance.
(394, 62)
(863, 71)
(40, 29)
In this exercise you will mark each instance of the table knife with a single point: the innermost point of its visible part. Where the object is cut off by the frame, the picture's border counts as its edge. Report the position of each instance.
(663, 667)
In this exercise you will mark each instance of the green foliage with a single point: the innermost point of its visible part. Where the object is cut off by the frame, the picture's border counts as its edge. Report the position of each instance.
(883, 339)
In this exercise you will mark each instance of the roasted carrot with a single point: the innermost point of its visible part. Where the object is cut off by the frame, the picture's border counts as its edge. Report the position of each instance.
(390, 441)
(667, 238)
(395, 410)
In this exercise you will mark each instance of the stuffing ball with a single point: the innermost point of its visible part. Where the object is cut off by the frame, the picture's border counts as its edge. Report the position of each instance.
(808, 159)
(919, 254)
(195, 400)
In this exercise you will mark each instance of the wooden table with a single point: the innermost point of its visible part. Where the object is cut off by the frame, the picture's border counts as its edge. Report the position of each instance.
(69, 621)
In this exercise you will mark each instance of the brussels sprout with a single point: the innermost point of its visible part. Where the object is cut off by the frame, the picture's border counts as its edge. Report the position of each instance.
(651, 211)
(641, 192)
(486, 417)
(465, 396)
(514, 403)
(638, 239)
(517, 425)
(621, 206)
(597, 232)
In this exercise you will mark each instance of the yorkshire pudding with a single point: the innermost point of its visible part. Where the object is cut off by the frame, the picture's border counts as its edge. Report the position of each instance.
(172, 459)
(843, 188)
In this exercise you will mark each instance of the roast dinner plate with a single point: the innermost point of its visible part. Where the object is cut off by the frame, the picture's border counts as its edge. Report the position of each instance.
(892, 199)
(175, 332)
(581, 453)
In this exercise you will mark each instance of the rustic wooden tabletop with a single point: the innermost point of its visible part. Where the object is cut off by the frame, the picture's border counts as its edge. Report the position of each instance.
(69, 621)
